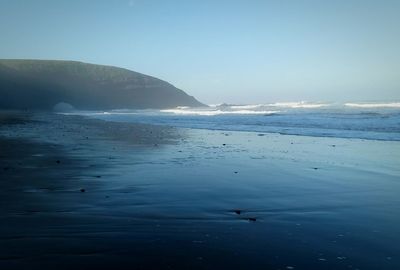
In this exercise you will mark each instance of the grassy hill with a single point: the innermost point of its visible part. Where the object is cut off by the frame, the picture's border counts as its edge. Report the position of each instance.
(40, 84)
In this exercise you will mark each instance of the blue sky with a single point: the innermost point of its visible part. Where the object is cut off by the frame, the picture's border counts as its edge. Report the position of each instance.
(223, 51)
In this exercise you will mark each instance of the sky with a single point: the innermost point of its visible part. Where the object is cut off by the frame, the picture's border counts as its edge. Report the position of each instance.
(245, 51)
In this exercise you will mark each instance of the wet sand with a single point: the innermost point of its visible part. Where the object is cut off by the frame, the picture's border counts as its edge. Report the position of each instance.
(88, 194)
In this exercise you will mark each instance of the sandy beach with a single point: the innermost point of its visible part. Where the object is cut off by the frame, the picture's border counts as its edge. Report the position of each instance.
(89, 194)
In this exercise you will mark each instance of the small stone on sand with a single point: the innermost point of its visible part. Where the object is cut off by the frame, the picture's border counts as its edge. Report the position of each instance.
(83, 190)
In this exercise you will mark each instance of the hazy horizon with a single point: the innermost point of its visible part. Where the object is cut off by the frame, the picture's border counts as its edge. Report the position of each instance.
(231, 51)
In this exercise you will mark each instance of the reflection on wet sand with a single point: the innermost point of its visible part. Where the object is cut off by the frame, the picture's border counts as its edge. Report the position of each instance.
(79, 193)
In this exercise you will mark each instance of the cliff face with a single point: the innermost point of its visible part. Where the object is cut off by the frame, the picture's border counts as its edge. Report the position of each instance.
(41, 84)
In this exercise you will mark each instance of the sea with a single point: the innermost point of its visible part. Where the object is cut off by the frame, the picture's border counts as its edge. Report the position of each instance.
(370, 121)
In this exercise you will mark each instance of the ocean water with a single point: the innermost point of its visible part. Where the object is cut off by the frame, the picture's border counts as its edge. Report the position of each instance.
(373, 121)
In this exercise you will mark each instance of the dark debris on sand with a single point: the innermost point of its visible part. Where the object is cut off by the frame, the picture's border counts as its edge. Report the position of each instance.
(237, 211)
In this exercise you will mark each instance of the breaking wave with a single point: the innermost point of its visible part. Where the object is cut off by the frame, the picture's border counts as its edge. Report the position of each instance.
(375, 121)
(214, 112)
(261, 109)
(374, 105)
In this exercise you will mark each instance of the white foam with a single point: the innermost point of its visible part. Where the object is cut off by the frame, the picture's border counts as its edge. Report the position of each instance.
(297, 105)
(294, 105)
(374, 105)
(214, 112)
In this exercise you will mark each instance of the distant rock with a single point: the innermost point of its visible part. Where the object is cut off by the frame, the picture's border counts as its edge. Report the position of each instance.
(40, 84)
(63, 107)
